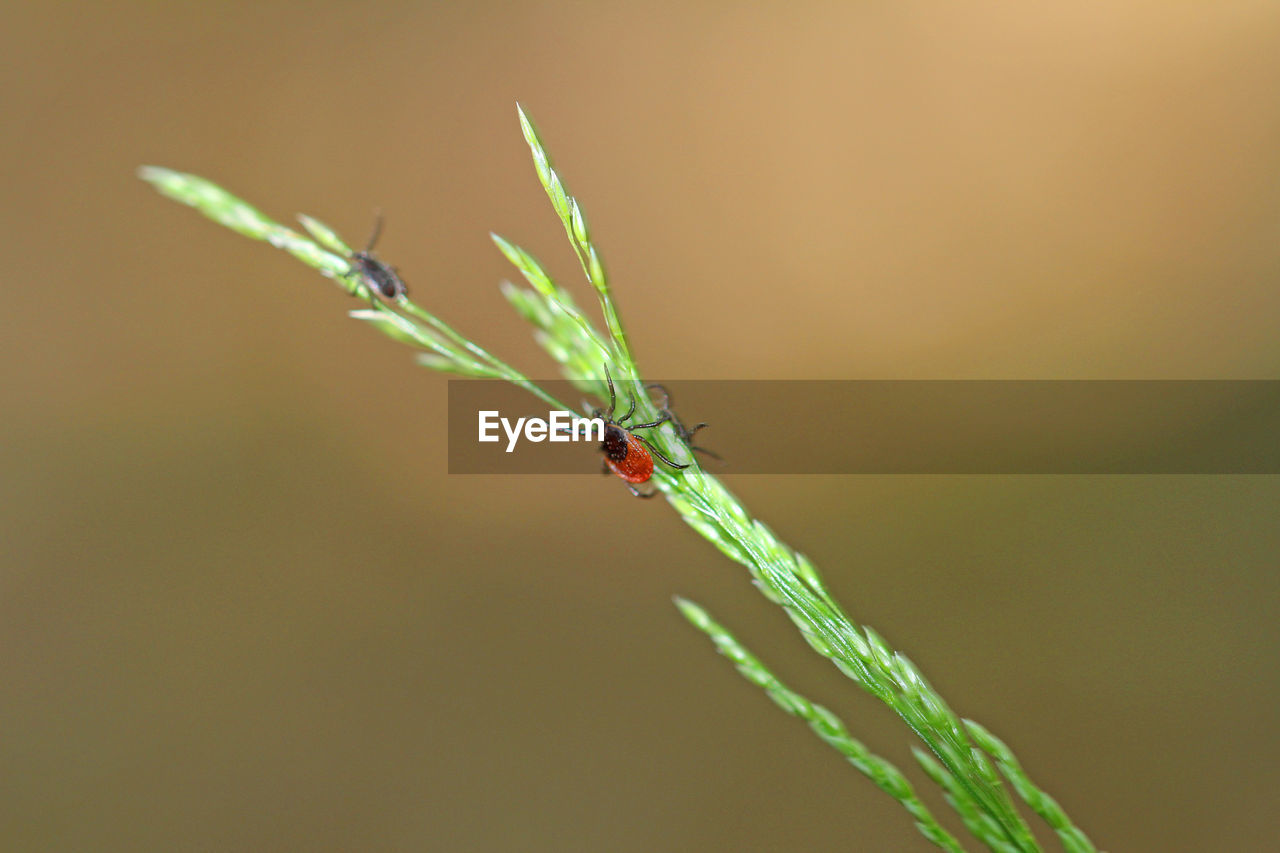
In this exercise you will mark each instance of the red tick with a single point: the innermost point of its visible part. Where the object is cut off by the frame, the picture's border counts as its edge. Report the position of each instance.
(626, 454)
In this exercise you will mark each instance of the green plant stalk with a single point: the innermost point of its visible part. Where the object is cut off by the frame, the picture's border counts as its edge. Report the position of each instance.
(709, 508)
(957, 758)
(451, 351)
(575, 226)
(825, 725)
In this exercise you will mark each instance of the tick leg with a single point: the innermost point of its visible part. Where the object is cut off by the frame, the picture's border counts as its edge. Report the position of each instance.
(666, 396)
(658, 453)
(662, 420)
(704, 451)
(613, 399)
(631, 411)
(640, 494)
(689, 434)
(377, 230)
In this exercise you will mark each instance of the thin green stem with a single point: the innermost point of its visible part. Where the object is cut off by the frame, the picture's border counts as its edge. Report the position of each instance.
(575, 226)
(503, 370)
(825, 724)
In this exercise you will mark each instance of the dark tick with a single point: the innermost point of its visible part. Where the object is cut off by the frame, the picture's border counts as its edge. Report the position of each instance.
(377, 276)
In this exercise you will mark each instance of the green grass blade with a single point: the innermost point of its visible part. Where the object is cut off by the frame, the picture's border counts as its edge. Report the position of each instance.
(575, 226)
(1072, 837)
(824, 724)
(226, 209)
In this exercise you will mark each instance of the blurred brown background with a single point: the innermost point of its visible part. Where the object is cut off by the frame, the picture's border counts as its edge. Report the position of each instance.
(243, 608)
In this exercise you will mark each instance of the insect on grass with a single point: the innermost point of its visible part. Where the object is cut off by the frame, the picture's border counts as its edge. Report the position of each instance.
(377, 275)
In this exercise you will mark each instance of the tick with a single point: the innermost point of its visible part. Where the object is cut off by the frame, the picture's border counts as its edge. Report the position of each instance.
(626, 454)
(377, 276)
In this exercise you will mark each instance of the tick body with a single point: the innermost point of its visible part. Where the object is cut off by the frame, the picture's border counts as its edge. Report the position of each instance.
(377, 276)
(626, 454)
